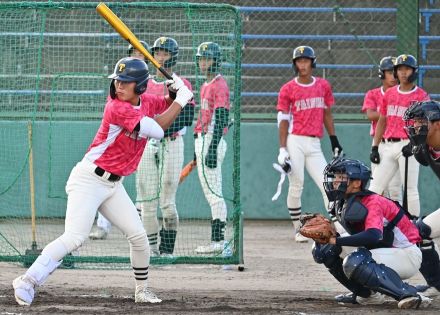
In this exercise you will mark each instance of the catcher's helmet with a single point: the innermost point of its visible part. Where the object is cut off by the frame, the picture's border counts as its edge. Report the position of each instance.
(210, 50)
(130, 69)
(423, 112)
(354, 169)
(170, 45)
(386, 64)
(304, 52)
(406, 60)
(130, 49)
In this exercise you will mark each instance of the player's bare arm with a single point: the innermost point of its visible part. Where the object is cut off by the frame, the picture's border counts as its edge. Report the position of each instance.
(328, 122)
(380, 129)
(372, 115)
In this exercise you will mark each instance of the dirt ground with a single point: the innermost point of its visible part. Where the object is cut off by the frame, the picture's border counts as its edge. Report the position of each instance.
(280, 277)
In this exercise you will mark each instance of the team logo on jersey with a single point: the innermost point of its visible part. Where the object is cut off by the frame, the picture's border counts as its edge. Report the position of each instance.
(121, 67)
(162, 40)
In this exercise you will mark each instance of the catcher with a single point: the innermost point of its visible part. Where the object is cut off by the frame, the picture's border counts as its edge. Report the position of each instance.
(383, 236)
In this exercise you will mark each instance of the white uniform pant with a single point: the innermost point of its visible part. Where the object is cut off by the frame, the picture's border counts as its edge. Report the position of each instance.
(405, 261)
(392, 161)
(87, 192)
(394, 188)
(433, 220)
(305, 152)
(211, 178)
(157, 182)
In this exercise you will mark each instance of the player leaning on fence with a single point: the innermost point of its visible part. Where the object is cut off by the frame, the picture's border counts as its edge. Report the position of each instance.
(304, 106)
(96, 181)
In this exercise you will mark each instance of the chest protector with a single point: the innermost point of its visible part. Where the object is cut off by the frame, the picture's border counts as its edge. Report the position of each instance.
(352, 216)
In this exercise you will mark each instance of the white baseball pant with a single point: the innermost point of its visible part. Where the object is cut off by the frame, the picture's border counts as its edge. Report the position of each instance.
(156, 184)
(392, 161)
(88, 192)
(211, 178)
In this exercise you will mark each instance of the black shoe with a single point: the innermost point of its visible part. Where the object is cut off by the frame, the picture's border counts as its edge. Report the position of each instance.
(349, 298)
(422, 287)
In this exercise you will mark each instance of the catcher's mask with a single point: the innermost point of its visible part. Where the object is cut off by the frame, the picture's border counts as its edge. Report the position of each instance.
(339, 172)
(416, 123)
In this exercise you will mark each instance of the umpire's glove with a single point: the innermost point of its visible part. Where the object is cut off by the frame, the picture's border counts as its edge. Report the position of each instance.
(374, 155)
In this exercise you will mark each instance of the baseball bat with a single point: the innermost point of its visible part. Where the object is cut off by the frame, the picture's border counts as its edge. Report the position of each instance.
(128, 35)
(405, 187)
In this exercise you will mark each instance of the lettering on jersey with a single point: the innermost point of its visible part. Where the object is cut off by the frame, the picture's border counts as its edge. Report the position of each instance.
(396, 110)
(133, 135)
(121, 67)
(310, 103)
(204, 104)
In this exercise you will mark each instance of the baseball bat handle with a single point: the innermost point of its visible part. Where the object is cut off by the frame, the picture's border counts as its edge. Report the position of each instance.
(128, 35)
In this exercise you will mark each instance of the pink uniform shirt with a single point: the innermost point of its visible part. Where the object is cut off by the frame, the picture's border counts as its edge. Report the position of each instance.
(214, 94)
(373, 100)
(395, 103)
(306, 103)
(116, 148)
(382, 210)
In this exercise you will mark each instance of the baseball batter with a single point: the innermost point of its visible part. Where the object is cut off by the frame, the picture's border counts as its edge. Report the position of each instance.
(383, 236)
(210, 147)
(157, 177)
(103, 226)
(423, 128)
(390, 133)
(304, 106)
(96, 181)
(372, 102)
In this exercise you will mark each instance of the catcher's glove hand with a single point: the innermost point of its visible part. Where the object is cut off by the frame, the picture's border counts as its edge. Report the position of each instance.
(317, 227)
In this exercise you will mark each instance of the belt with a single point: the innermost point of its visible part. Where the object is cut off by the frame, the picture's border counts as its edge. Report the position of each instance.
(112, 178)
(392, 139)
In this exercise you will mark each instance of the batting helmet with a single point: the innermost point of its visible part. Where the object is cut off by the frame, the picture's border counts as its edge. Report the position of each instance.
(386, 64)
(170, 45)
(210, 50)
(407, 60)
(353, 169)
(130, 69)
(130, 49)
(304, 52)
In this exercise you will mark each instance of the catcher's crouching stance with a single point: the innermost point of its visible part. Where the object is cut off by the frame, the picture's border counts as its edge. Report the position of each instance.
(384, 236)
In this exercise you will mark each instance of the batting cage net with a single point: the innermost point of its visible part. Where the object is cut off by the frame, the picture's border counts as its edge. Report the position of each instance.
(56, 58)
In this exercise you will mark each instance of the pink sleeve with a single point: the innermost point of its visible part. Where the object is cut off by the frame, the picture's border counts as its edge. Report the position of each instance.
(328, 97)
(124, 115)
(284, 100)
(221, 96)
(383, 107)
(153, 104)
(369, 102)
(374, 219)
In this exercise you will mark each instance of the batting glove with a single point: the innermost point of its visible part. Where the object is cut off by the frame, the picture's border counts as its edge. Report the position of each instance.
(374, 155)
(183, 96)
(283, 156)
(211, 158)
(407, 150)
(336, 147)
(177, 83)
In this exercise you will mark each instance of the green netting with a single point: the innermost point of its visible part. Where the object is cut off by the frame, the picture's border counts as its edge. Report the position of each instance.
(56, 58)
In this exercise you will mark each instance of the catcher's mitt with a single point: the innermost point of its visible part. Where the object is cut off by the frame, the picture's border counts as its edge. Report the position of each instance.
(317, 227)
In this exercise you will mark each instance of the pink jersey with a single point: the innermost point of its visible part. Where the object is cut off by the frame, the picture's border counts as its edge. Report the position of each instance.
(306, 103)
(382, 210)
(116, 148)
(373, 100)
(395, 103)
(213, 94)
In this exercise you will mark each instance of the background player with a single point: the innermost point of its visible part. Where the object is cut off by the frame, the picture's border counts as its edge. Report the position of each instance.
(391, 133)
(210, 147)
(423, 127)
(103, 225)
(304, 106)
(157, 177)
(96, 182)
(372, 102)
(385, 238)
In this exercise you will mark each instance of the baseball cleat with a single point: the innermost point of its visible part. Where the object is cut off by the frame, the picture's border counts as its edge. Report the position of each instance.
(419, 301)
(98, 234)
(213, 248)
(143, 295)
(23, 290)
(346, 298)
(300, 239)
(374, 299)
(154, 252)
(427, 290)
